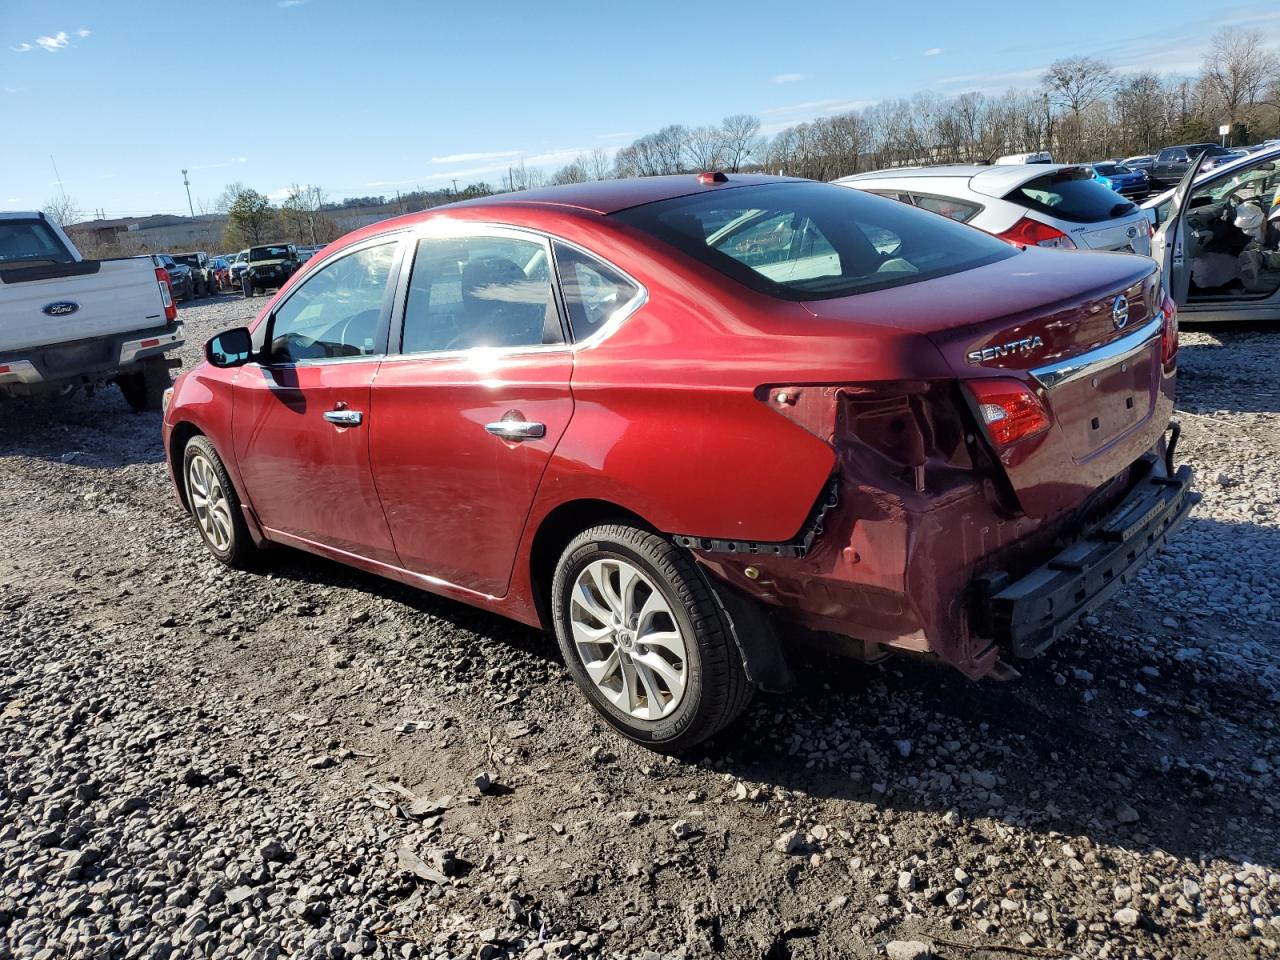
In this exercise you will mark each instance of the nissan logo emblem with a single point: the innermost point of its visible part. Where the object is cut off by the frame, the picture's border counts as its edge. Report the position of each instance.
(1120, 312)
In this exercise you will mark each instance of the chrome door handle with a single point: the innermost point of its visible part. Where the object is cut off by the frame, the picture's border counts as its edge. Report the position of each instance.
(517, 429)
(344, 418)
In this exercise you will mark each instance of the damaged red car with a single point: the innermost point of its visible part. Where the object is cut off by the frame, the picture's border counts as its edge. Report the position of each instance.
(684, 422)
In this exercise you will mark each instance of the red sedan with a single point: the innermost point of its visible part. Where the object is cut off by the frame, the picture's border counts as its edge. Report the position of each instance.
(685, 422)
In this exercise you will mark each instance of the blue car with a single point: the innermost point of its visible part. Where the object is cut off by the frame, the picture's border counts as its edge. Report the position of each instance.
(1122, 179)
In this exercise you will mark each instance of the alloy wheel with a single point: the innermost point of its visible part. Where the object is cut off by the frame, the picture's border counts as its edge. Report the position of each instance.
(209, 502)
(628, 639)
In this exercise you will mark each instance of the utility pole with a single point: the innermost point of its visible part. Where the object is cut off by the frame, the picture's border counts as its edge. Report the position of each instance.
(455, 186)
(187, 183)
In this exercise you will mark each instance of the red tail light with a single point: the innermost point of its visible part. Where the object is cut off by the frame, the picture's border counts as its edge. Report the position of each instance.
(1169, 334)
(166, 294)
(1010, 411)
(1032, 233)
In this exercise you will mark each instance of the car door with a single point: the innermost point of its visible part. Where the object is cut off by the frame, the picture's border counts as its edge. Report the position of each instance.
(1168, 244)
(301, 416)
(467, 410)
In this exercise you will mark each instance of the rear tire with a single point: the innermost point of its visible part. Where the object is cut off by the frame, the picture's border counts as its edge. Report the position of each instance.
(664, 669)
(214, 505)
(144, 389)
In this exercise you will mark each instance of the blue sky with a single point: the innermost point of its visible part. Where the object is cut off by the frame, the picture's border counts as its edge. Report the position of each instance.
(370, 96)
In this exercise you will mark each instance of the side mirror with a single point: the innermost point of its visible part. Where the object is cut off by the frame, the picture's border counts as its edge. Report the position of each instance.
(231, 348)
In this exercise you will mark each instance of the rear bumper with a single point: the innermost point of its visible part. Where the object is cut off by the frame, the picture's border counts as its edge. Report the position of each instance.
(1025, 615)
(97, 358)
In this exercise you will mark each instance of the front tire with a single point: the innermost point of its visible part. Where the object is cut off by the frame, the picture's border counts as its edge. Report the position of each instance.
(214, 505)
(644, 638)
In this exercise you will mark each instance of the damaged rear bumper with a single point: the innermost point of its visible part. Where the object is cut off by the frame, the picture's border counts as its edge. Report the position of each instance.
(1024, 615)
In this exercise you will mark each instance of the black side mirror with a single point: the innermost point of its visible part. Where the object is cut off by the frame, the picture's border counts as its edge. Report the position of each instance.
(231, 348)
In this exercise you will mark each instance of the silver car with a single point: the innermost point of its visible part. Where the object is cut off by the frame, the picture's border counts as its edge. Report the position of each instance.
(1217, 238)
(1048, 205)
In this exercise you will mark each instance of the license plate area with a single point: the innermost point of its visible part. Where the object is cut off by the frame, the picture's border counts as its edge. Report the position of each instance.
(1108, 402)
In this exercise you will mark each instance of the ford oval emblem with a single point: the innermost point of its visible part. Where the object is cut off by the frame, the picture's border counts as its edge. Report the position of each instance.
(1132, 232)
(60, 308)
(1120, 311)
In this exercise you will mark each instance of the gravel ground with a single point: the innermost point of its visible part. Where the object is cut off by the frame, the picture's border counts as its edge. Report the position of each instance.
(308, 761)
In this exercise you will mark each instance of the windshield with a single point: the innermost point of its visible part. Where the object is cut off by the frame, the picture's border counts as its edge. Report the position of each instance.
(1067, 195)
(269, 253)
(26, 240)
(814, 241)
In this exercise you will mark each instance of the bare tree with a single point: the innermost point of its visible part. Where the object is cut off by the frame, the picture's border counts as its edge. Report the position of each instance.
(574, 171)
(598, 164)
(741, 139)
(300, 213)
(1237, 69)
(62, 210)
(705, 148)
(1074, 85)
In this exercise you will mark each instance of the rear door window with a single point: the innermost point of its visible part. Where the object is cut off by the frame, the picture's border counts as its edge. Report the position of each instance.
(1071, 196)
(958, 210)
(480, 291)
(594, 292)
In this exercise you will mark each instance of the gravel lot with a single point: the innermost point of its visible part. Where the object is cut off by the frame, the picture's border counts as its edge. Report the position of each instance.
(197, 762)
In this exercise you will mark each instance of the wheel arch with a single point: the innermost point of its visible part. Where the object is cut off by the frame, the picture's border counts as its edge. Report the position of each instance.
(179, 437)
(557, 528)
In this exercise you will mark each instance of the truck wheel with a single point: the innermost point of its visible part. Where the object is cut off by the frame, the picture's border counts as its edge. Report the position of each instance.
(644, 639)
(214, 505)
(144, 390)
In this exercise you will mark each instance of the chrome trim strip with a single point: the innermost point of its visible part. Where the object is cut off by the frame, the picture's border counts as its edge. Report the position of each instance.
(1086, 364)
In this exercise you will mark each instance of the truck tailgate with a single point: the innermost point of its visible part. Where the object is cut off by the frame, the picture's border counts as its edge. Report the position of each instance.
(116, 297)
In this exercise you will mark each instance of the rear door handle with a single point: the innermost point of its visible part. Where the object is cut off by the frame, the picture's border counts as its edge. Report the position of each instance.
(517, 429)
(344, 418)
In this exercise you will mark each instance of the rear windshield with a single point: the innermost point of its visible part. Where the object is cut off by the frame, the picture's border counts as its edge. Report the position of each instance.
(268, 253)
(22, 241)
(1069, 196)
(814, 241)
(190, 259)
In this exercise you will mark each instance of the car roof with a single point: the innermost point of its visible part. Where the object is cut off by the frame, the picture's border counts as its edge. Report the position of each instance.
(610, 196)
(992, 180)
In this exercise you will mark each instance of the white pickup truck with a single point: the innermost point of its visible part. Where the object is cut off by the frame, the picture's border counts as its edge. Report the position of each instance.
(68, 322)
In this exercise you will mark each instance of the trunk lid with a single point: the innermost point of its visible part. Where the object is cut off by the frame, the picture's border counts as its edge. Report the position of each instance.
(1034, 318)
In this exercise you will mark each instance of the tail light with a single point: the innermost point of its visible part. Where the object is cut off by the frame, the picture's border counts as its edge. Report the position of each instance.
(1169, 333)
(1032, 233)
(166, 294)
(1010, 411)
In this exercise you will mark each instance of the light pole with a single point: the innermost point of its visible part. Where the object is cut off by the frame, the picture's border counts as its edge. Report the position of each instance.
(187, 183)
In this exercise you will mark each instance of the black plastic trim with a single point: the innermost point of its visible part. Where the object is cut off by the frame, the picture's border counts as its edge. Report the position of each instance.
(1027, 614)
(798, 546)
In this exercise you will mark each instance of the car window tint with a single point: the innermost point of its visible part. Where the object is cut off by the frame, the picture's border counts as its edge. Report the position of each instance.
(593, 291)
(337, 311)
(480, 292)
(1072, 197)
(957, 210)
(812, 241)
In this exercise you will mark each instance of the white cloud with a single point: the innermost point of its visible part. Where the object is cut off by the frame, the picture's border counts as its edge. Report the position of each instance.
(15, 89)
(476, 157)
(22, 48)
(933, 51)
(818, 107)
(82, 33)
(788, 77)
(53, 44)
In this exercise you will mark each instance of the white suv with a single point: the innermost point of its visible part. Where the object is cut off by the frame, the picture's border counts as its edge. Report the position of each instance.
(1053, 205)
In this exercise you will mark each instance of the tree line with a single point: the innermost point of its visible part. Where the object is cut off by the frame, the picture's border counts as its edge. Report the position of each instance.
(1082, 110)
